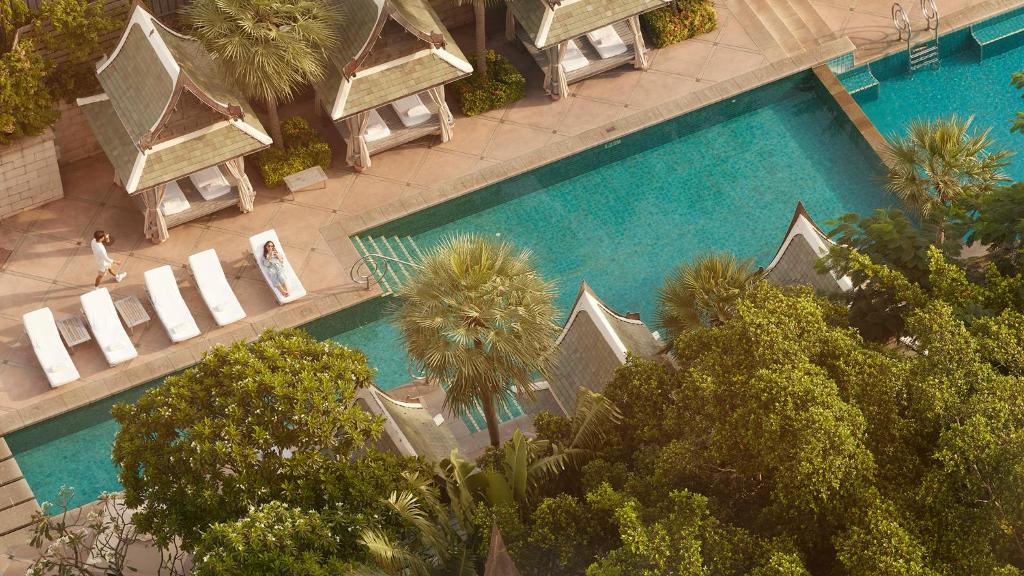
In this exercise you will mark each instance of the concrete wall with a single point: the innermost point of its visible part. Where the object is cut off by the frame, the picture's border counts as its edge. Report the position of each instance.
(29, 174)
(73, 136)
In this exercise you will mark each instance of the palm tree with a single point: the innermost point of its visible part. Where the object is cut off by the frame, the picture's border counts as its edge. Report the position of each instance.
(481, 321)
(940, 163)
(270, 48)
(480, 18)
(703, 293)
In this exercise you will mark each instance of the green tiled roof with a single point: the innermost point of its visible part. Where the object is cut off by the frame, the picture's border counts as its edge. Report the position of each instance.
(358, 20)
(118, 146)
(137, 83)
(197, 64)
(388, 85)
(577, 18)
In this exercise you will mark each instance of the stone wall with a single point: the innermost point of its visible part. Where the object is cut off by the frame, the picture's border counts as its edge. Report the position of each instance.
(29, 174)
(73, 136)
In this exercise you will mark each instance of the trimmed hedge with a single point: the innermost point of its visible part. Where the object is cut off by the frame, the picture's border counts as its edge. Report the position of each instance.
(665, 26)
(503, 85)
(303, 148)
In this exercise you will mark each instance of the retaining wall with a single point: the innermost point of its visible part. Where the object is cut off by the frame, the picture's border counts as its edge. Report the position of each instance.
(29, 174)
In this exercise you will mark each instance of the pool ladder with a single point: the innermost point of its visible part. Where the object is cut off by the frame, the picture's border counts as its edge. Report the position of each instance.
(386, 262)
(924, 53)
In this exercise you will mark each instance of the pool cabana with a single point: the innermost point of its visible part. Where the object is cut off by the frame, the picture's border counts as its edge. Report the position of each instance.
(575, 39)
(385, 84)
(173, 127)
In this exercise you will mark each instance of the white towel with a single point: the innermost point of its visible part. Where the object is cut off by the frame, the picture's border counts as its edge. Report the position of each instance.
(607, 42)
(574, 58)
(411, 110)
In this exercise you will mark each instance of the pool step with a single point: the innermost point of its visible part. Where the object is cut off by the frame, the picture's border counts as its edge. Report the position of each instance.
(858, 79)
(394, 258)
(999, 34)
(781, 28)
(17, 503)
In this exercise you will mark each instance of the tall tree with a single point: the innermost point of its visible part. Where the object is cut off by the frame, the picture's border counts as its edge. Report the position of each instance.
(480, 18)
(270, 48)
(703, 292)
(481, 321)
(942, 162)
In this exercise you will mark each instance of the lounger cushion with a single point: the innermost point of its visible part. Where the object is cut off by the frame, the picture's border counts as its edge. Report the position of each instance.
(174, 201)
(50, 351)
(574, 58)
(106, 327)
(607, 42)
(295, 288)
(170, 307)
(214, 288)
(210, 182)
(411, 110)
(376, 128)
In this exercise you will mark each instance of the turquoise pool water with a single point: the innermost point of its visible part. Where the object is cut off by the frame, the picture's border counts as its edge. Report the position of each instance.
(965, 84)
(620, 216)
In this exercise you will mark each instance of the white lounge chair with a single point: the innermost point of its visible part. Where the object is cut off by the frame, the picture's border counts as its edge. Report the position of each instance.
(411, 110)
(574, 58)
(376, 128)
(607, 42)
(170, 307)
(174, 199)
(210, 182)
(214, 287)
(50, 351)
(295, 288)
(106, 327)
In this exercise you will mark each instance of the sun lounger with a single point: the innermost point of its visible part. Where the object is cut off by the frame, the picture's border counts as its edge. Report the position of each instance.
(214, 287)
(574, 58)
(174, 199)
(210, 182)
(50, 351)
(106, 327)
(376, 128)
(170, 307)
(295, 288)
(411, 110)
(607, 42)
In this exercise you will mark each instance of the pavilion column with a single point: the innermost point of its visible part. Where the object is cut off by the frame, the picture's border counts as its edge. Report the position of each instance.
(639, 48)
(444, 113)
(155, 224)
(358, 153)
(555, 83)
(510, 24)
(246, 193)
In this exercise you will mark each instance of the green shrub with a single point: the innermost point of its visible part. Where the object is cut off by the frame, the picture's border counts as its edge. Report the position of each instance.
(78, 28)
(303, 148)
(13, 15)
(503, 85)
(26, 107)
(665, 26)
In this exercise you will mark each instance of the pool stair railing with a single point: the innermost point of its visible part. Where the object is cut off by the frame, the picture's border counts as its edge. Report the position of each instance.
(388, 262)
(922, 54)
(997, 35)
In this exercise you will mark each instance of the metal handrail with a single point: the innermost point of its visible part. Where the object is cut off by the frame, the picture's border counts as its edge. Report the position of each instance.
(377, 266)
(901, 21)
(931, 15)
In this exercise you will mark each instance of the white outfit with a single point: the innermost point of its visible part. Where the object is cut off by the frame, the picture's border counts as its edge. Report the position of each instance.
(99, 252)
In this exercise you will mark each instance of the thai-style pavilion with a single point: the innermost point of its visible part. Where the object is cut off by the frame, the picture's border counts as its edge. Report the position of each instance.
(575, 39)
(795, 262)
(594, 342)
(385, 83)
(174, 128)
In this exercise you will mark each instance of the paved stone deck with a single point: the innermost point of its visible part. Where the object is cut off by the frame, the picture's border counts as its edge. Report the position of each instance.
(50, 264)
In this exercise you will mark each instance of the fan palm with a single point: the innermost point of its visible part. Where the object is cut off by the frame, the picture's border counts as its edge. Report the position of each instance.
(269, 48)
(703, 293)
(480, 320)
(480, 18)
(940, 163)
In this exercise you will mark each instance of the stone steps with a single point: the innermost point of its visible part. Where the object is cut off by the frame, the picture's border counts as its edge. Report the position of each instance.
(781, 28)
(17, 503)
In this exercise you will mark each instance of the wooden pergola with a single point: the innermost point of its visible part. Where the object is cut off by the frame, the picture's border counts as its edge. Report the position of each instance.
(169, 121)
(385, 84)
(569, 39)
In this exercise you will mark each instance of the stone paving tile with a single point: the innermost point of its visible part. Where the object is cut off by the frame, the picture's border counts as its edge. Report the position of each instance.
(186, 242)
(370, 192)
(440, 166)
(401, 163)
(615, 86)
(232, 249)
(686, 59)
(472, 135)
(254, 222)
(511, 140)
(585, 114)
(731, 33)
(726, 62)
(66, 219)
(656, 87)
(538, 110)
(298, 225)
(41, 256)
(19, 294)
(123, 225)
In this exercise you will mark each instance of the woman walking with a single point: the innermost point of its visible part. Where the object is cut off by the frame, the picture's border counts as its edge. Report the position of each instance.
(104, 263)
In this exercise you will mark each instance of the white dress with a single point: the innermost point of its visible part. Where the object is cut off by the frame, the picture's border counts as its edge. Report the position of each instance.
(99, 252)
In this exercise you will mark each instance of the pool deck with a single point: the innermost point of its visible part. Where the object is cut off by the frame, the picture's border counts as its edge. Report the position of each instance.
(45, 258)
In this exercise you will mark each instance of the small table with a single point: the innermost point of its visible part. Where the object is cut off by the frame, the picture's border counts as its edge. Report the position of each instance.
(73, 331)
(132, 312)
(309, 179)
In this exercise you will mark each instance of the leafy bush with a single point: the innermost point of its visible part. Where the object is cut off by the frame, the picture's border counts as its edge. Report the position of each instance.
(666, 26)
(13, 15)
(78, 27)
(303, 148)
(26, 107)
(503, 85)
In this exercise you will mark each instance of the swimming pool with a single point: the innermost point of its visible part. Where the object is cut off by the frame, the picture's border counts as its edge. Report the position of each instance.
(964, 84)
(620, 216)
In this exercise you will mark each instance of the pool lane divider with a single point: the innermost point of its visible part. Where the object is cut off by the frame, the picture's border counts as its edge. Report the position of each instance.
(860, 121)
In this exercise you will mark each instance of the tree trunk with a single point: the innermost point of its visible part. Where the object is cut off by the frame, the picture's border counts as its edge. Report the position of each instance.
(942, 218)
(275, 123)
(480, 16)
(491, 416)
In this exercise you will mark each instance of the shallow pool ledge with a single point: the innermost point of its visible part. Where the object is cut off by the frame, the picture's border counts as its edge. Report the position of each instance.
(853, 111)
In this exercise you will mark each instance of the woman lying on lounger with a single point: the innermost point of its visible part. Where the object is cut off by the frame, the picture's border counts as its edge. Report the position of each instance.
(274, 262)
